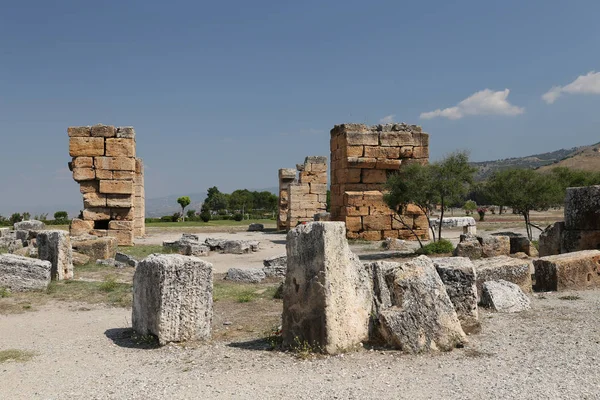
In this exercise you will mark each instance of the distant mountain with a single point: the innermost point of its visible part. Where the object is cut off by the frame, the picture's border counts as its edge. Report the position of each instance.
(584, 157)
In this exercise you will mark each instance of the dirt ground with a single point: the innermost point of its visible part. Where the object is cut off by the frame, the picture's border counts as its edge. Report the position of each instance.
(77, 343)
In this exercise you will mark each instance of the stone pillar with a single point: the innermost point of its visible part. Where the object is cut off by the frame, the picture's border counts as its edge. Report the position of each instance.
(172, 298)
(308, 196)
(361, 158)
(104, 164)
(286, 177)
(55, 246)
(139, 201)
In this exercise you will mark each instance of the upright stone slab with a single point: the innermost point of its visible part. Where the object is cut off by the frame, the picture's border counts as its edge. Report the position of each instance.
(172, 298)
(327, 292)
(422, 317)
(55, 246)
(550, 239)
(97, 248)
(506, 268)
(20, 274)
(582, 208)
(460, 279)
(570, 271)
(494, 246)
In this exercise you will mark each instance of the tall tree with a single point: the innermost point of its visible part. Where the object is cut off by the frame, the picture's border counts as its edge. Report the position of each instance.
(183, 201)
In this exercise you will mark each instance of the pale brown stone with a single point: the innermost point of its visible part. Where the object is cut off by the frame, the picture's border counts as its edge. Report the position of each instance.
(88, 187)
(116, 187)
(84, 174)
(120, 147)
(355, 151)
(96, 214)
(115, 163)
(382, 152)
(86, 146)
(120, 225)
(93, 199)
(119, 201)
(80, 227)
(83, 162)
(354, 223)
(377, 222)
(123, 175)
(103, 131)
(374, 176)
(79, 131)
(104, 174)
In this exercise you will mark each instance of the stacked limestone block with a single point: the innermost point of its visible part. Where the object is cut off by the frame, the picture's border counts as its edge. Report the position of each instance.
(362, 157)
(105, 166)
(286, 177)
(308, 195)
(139, 201)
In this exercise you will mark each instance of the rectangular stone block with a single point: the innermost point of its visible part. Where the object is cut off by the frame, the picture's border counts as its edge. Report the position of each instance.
(295, 190)
(358, 211)
(354, 223)
(362, 162)
(355, 151)
(119, 201)
(388, 164)
(104, 174)
(79, 131)
(577, 240)
(21, 274)
(86, 146)
(124, 237)
(115, 163)
(80, 227)
(582, 208)
(318, 188)
(374, 176)
(84, 174)
(377, 222)
(506, 268)
(83, 162)
(124, 175)
(406, 152)
(173, 298)
(96, 214)
(125, 132)
(122, 214)
(382, 152)
(103, 131)
(570, 271)
(120, 147)
(55, 246)
(371, 236)
(396, 139)
(116, 187)
(421, 152)
(99, 248)
(362, 139)
(327, 299)
(94, 199)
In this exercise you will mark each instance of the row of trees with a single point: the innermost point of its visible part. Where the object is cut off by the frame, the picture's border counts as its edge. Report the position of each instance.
(449, 182)
(60, 218)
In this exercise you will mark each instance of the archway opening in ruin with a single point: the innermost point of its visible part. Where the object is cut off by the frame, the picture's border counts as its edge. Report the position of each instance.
(101, 224)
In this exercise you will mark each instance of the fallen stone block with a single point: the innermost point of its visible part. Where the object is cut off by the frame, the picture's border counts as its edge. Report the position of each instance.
(30, 225)
(256, 228)
(503, 296)
(20, 274)
(494, 246)
(550, 239)
(453, 222)
(4, 232)
(275, 266)
(471, 249)
(126, 259)
(250, 275)
(322, 216)
(578, 240)
(95, 247)
(254, 245)
(55, 246)
(327, 296)
(505, 268)
(236, 247)
(395, 244)
(460, 280)
(110, 262)
(422, 317)
(519, 243)
(172, 298)
(80, 259)
(215, 244)
(570, 271)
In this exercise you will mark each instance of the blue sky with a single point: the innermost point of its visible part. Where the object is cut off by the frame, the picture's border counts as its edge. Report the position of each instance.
(225, 93)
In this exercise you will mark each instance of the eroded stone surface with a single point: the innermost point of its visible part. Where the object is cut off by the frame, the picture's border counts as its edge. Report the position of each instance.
(570, 271)
(503, 296)
(246, 275)
(505, 268)
(20, 274)
(55, 246)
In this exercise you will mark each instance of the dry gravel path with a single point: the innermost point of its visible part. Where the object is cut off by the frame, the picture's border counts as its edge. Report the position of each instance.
(82, 352)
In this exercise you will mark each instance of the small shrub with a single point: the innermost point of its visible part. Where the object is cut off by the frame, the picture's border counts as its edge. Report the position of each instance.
(166, 218)
(205, 216)
(245, 298)
(4, 292)
(109, 284)
(238, 217)
(279, 292)
(442, 246)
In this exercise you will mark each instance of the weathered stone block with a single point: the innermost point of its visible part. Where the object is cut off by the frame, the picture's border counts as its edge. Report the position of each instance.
(582, 208)
(120, 225)
(125, 132)
(29, 225)
(504, 268)
(88, 187)
(124, 175)
(116, 187)
(355, 151)
(362, 139)
(115, 163)
(80, 227)
(421, 316)
(577, 240)
(374, 176)
(120, 147)
(95, 247)
(248, 275)
(327, 297)
(388, 164)
(377, 222)
(493, 246)
(459, 277)
(86, 146)
(124, 237)
(571, 271)
(55, 246)
(550, 239)
(96, 214)
(79, 131)
(93, 199)
(503, 296)
(20, 274)
(119, 200)
(84, 174)
(381, 152)
(172, 298)
(396, 139)
(83, 162)
(103, 131)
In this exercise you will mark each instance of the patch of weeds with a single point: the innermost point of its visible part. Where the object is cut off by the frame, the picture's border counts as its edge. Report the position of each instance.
(274, 338)
(52, 288)
(3, 250)
(242, 292)
(570, 297)
(26, 306)
(4, 292)
(245, 297)
(304, 350)
(109, 285)
(15, 355)
(536, 244)
(145, 340)
(278, 292)
(142, 251)
(442, 246)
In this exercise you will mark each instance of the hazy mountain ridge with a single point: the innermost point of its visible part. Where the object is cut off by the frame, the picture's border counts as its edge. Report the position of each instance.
(582, 157)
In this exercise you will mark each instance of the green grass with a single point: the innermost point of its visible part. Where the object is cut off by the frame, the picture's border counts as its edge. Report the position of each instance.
(440, 247)
(227, 222)
(4, 292)
(3, 250)
(109, 292)
(15, 355)
(569, 297)
(140, 252)
(242, 292)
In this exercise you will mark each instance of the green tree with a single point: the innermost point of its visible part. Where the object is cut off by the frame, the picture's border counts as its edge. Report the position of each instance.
(183, 201)
(470, 206)
(215, 200)
(26, 216)
(16, 217)
(191, 214)
(241, 200)
(61, 216)
(525, 190)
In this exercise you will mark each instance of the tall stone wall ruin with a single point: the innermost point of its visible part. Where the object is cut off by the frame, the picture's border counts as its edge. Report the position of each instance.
(302, 192)
(362, 157)
(111, 180)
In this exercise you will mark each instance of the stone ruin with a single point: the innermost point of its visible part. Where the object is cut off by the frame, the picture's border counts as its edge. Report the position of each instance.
(362, 157)
(300, 198)
(580, 229)
(111, 180)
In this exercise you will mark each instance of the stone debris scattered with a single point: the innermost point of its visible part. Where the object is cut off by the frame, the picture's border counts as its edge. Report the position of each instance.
(21, 274)
(245, 275)
(570, 271)
(503, 296)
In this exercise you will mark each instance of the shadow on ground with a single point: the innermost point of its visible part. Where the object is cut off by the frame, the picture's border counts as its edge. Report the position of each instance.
(126, 337)
(261, 344)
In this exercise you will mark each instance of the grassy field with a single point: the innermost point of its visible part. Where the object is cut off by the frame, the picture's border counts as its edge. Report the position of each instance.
(224, 223)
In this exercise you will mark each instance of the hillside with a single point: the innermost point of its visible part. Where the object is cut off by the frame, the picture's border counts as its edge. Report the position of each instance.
(584, 157)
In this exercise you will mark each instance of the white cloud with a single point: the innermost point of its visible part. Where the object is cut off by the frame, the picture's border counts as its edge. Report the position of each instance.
(484, 102)
(388, 119)
(584, 84)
